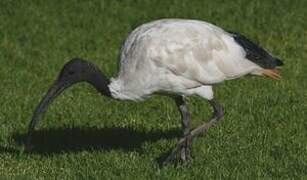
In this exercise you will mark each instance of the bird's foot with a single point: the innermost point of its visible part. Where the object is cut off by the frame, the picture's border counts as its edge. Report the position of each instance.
(184, 147)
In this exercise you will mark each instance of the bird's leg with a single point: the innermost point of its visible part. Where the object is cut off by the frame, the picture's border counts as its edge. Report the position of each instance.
(218, 113)
(185, 148)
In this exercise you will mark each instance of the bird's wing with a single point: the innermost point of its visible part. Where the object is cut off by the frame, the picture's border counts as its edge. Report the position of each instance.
(192, 54)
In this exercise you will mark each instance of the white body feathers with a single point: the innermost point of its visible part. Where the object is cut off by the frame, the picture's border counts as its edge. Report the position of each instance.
(178, 56)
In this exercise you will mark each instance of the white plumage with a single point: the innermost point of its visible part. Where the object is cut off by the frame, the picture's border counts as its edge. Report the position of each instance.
(178, 56)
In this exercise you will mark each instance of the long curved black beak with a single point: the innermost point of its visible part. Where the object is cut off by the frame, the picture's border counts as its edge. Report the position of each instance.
(76, 70)
(52, 93)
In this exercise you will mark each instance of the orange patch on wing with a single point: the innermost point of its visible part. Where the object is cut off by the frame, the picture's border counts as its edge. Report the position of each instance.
(271, 73)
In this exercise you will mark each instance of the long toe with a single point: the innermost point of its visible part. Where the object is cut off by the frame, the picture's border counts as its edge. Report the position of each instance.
(183, 148)
(185, 151)
(185, 154)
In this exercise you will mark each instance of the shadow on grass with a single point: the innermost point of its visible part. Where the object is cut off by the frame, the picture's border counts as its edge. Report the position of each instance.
(48, 141)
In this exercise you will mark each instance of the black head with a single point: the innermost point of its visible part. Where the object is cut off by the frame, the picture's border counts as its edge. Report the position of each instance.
(76, 70)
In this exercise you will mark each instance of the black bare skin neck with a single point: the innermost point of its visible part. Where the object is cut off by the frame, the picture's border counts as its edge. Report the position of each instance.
(100, 82)
(75, 71)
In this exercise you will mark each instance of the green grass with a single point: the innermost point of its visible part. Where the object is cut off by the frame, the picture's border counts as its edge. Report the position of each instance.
(86, 136)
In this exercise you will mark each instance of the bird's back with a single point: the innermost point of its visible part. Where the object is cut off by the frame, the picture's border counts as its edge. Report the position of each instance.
(194, 49)
(177, 54)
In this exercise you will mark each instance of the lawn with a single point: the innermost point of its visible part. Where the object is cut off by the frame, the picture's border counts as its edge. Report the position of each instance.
(86, 136)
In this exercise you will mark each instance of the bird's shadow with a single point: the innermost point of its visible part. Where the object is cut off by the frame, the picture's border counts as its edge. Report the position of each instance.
(50, 141)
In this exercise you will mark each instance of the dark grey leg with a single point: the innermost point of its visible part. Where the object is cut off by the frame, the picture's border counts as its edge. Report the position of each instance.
(218, 112)
(186, 146)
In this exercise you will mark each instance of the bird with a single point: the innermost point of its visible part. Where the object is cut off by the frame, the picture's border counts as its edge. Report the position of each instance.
(173, 57)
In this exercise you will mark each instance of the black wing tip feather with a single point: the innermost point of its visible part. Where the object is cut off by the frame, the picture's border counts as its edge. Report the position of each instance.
(255, 53)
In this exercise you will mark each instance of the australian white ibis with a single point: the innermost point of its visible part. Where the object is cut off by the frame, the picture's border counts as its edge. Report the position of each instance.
(171, 56)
